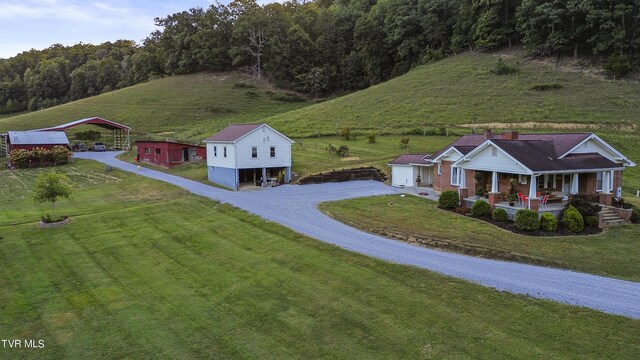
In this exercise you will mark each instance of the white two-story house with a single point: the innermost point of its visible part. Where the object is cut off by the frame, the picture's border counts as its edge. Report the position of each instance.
(248, 155)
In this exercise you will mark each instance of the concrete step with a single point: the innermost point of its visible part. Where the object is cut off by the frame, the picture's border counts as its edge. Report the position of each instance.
(615, 222)
(610, 217)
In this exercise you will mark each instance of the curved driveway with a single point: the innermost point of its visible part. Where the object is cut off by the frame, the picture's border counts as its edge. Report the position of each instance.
(295, 208)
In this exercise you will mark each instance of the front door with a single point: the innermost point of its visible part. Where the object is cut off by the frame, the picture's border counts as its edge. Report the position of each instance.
(185, 154)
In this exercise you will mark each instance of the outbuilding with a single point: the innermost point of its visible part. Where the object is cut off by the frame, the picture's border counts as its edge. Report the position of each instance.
(29, 140)
(248, 155)
(169, 153)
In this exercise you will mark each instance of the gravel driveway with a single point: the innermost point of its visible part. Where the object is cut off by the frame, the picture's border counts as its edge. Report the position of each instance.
(296, 209)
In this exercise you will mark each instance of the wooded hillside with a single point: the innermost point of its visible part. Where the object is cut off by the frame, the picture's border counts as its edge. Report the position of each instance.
(324, 46)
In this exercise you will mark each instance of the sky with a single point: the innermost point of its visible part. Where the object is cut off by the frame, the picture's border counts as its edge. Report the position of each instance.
(27, 24)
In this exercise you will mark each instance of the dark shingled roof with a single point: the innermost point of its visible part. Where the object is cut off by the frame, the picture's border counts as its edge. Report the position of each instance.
(561, 143)
(233, 132)
(407, 159)
(541, 155)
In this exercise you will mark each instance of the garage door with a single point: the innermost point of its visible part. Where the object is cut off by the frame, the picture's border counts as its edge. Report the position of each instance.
(402, 176)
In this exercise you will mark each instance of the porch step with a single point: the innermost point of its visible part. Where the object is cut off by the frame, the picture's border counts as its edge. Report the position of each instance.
(611, 218)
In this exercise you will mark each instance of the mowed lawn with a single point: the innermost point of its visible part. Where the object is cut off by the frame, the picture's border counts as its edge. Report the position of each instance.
(613, 253)
(147, 271)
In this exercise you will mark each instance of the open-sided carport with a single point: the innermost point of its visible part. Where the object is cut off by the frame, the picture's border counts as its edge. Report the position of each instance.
(121, 133)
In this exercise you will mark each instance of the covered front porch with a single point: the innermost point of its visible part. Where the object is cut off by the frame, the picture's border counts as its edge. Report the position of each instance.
(543, 192)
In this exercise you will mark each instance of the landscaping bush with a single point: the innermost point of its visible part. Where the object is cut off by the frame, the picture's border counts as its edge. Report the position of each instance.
(584, 207)
(449, 199)
(481, 208)
(591, 221)
(635, 216)
(500, 215)
(527, 220)
(371, 138)
(463, 210)
(573, 220)
(548, 222)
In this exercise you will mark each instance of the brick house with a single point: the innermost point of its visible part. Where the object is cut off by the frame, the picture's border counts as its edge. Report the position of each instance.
(557, 165)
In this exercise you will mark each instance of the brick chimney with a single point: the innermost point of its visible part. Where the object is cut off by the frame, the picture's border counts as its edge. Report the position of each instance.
(487, 133)
(510, 135)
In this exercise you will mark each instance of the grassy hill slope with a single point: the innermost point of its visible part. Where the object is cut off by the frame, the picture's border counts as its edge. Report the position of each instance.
(462, 90)
(189, 105)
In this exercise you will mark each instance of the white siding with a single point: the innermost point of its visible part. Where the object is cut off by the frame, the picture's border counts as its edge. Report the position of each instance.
(594, 146)
(220, 160)
(484, 160)
(452, 155)
(263, 138)
(402, 175)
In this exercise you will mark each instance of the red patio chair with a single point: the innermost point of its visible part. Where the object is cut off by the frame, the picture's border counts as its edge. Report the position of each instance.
(545, 199)
(520, 197)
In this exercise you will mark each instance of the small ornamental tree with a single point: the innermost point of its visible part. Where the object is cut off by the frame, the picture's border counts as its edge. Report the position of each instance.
(51, 186)
(449, 199)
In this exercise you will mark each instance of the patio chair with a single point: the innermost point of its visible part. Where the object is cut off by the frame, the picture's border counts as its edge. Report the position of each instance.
(544, 201)
(520, 197)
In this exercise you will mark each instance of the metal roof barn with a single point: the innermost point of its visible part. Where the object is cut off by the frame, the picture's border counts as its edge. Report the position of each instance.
(38, 138)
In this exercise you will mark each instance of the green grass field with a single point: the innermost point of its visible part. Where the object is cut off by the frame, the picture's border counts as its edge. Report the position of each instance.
(147, 271)
(613, 253)
(462, 90)
(188, 107)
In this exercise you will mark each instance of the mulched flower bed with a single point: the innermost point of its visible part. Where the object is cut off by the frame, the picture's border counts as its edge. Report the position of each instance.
(510, 226)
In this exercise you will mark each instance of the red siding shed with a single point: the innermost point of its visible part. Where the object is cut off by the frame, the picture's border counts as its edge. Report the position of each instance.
(169, 153)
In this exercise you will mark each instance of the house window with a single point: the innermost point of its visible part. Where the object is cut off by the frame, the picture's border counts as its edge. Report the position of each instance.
(147, 151)
(522, 179)
(439, 168)
(455, 176)
(224, 151)
(158, 151)
(254, 152)
(215, 151)
(272, 151)
(192, 153)
(494, 152)
(548, 182)
(599, 178)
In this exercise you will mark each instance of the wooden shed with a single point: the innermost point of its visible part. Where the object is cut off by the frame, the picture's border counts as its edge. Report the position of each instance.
(30, 140)
(169, 153)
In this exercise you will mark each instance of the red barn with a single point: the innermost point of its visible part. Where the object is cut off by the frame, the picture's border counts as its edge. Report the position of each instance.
(169, 153)
(29, 140)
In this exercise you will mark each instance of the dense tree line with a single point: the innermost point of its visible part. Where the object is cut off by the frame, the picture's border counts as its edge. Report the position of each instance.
(323, 46)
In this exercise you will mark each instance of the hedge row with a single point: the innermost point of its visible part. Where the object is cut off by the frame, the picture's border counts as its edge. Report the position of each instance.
(24, 158)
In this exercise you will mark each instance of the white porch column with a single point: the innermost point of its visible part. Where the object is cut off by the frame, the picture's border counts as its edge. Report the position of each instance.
(606, 182)
(612, 176)
(494, 182)
(533, 188)
(574, 184)
(463, 178)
